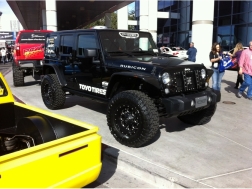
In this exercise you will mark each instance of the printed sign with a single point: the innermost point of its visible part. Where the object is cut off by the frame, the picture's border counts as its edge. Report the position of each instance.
(129, 35)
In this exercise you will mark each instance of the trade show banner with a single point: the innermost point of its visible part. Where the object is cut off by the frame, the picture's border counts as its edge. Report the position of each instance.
(7, 35)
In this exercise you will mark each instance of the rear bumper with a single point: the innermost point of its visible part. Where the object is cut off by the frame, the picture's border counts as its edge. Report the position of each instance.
(182, 104)
(29, 63)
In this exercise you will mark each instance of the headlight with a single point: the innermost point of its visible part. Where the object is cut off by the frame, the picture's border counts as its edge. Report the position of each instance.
(203, 73)
(165, 78)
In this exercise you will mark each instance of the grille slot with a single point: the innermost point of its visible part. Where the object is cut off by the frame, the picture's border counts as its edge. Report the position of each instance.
(187, 81)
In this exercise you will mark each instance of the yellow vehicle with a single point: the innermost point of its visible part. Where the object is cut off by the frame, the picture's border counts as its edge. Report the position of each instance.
(40, 149)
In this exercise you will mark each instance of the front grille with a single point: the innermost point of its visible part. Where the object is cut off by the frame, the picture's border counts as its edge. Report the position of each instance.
(187, 81)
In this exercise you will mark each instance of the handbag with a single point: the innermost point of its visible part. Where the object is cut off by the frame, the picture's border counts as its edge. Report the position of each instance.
(225, 63)
(235, 62)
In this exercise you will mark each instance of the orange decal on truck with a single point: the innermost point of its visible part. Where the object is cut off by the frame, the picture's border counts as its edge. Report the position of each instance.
(32, 52)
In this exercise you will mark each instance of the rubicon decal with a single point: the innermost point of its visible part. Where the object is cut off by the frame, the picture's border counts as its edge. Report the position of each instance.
(132, 67)
(92, 89)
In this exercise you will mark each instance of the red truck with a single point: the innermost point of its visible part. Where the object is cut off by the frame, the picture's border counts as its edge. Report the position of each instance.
(28, 55)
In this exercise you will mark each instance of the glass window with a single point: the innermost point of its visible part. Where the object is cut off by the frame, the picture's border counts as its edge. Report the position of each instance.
(239, 18)
(240, 34)
(240, 6)
(225, 8)
(250, 5)
(249, 38)
(184, 27)
(216, 8)
(160, 5)
(215, 21)
(184, 4)
(226, 20)
(66, 44)
(250, 17)
(174, 21)
(86, 41)
(32, 37)
(51, 45)
(224, 37)
(173, 4)
(184, 15)
(215, 34)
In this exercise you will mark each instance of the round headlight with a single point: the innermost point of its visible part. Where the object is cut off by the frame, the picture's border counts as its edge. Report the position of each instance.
(165, 78)
(203, 73)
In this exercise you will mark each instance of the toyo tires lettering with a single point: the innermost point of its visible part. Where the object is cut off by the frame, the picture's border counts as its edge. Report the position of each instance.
(92, 89)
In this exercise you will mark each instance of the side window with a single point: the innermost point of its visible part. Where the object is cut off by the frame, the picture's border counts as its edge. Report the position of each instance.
(51, 45)
(66, 44)
(86, 41)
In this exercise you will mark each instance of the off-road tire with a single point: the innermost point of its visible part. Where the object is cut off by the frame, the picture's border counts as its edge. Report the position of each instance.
(52, 93)
(132, 118)
(18, 76)
(199, 118)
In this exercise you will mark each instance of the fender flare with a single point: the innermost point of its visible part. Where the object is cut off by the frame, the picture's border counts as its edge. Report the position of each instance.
(58, 69)
(117, 77)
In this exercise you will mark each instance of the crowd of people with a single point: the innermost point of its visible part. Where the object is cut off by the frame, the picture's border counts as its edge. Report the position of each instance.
(243, 58)
(6, 55)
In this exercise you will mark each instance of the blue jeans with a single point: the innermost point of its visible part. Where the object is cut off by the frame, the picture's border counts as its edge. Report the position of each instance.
(216, 79)
(247, 83)
(3, 59)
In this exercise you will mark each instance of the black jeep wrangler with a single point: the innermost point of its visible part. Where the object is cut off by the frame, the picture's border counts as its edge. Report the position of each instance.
(125, 68)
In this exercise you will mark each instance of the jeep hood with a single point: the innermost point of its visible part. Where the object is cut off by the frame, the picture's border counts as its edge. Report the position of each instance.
(148, 62)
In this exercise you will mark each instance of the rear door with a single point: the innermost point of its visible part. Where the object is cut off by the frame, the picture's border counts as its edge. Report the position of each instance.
(31, 45)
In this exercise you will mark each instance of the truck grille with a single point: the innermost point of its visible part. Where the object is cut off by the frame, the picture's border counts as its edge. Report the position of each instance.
(187, 81)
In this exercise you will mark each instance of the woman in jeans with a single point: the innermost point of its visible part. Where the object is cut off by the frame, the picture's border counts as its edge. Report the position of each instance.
(236, 54)
(215, 56)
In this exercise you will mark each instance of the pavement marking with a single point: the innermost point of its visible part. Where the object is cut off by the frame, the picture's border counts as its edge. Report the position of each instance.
(228, 139)
(233, 172)
(166, 168)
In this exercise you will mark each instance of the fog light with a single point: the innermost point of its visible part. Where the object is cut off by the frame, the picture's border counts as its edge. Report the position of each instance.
(167, 91)
(209, 99)
(192, 103)
(206, 84)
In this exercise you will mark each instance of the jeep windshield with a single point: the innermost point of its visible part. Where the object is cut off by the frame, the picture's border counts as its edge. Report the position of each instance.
(32, 37)
(132, 43)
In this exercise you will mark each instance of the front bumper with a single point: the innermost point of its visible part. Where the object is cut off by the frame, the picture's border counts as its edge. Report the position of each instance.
(178, 105)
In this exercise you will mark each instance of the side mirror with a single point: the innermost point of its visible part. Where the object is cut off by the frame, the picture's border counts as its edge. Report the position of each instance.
(90, 52)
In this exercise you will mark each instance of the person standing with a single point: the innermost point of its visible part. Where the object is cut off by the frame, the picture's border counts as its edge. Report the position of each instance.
(191, 52)
(245, 65)
(215, 56)
(3, 52)
(237, 54)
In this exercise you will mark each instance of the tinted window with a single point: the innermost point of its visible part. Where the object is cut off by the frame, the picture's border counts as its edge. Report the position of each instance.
(32, 37)
(126, 41)
(51, 45)
(66, 42)
(86, 41)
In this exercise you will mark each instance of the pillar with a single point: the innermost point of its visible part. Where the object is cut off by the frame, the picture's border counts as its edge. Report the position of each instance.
(148, 17)
(44, 27)
(108, 20)
(51, 15)
(122, 18)
(202, 29)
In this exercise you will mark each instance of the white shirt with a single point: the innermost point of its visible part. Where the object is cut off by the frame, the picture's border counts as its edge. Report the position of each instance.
(3, 52)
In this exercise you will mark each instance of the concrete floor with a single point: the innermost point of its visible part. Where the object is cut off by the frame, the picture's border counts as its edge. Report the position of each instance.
(216, 155)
